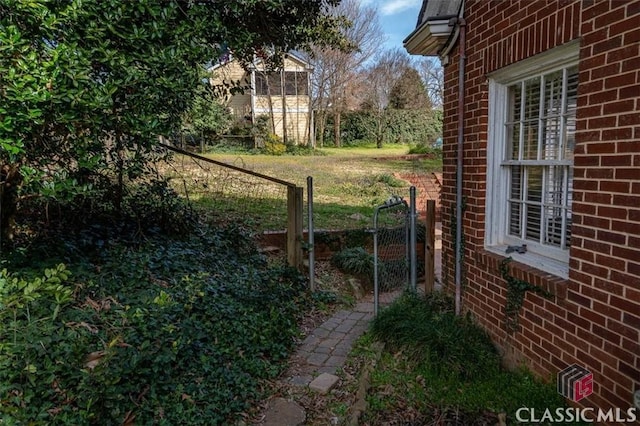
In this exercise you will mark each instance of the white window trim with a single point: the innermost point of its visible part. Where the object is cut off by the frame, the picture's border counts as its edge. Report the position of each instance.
(549, 259)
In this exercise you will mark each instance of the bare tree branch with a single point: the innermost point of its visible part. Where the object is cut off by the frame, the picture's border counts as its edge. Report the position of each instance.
(338, 72)
(432, 75)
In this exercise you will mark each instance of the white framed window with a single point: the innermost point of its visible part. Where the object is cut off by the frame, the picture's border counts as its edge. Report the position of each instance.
(531, 140)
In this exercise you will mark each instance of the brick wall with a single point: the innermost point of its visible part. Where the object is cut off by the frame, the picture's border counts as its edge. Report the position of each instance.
(594, 319)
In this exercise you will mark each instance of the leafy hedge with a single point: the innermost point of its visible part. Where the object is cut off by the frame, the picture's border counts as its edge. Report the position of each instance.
(166, 331)
(417, 127)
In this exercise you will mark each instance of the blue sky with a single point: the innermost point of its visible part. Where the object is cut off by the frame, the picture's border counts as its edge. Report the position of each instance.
(397, 17)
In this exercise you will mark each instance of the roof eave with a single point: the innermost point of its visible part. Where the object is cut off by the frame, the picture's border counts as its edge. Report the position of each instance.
(430, 37)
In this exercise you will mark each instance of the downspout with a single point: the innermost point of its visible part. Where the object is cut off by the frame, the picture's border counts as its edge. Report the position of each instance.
(459, 166)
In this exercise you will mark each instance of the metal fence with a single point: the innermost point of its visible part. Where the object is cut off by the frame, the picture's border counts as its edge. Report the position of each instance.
(201, 143)
(394, 246)
(227, 192)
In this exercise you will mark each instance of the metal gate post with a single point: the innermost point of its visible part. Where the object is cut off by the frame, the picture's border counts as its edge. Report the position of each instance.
(413, 258)
(376, 290)
(310, 235)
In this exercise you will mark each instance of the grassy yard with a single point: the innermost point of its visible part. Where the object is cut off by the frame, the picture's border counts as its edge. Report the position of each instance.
(441, 369)
(348, 183)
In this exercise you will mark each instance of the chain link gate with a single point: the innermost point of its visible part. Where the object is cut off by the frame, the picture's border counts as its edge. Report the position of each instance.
(394, 246)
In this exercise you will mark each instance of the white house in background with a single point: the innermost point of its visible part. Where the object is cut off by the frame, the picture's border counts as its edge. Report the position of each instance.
(282, 95)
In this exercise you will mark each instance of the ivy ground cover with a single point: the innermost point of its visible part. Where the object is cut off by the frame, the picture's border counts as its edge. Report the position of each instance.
(153, 330)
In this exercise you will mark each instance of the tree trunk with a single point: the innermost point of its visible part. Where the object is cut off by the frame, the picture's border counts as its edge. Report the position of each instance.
(285, 136)
(336, 129)
(380, 131)
(271, 113)
(270, 103)
(10, 182)
(322, 124)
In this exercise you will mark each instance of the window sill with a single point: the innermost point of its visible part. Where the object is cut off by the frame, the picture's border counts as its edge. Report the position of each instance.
(546, 264)
(555, 283)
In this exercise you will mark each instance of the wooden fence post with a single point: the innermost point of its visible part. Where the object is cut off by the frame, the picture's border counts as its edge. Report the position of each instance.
(430, 248)
(294, 226)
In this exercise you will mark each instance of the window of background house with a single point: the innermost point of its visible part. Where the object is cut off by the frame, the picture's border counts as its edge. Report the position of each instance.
(268, 83)
(532, 116)
(295, 83)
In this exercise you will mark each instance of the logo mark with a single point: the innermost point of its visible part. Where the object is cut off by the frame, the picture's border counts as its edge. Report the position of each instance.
(575, 382)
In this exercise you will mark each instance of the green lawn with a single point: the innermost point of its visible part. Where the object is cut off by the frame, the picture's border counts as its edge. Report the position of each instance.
(348, 183)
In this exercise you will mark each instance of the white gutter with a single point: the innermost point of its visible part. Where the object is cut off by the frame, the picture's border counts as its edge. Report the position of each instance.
(430, 37)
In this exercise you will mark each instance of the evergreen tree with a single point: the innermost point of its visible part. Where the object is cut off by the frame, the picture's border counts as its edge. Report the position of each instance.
(409, 91)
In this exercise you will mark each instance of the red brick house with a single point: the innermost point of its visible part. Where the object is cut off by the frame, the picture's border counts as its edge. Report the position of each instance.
(542, 148)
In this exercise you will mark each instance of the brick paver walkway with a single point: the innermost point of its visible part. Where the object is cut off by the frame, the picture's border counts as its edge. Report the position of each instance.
(326, 348)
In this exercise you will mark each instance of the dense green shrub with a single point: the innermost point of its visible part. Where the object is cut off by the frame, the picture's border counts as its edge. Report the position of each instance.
(84, 225)
(155, 205)
(416, 127)
(443, 369)
(355, 261)
(207, 115)
(168, 331)
(273, 145)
